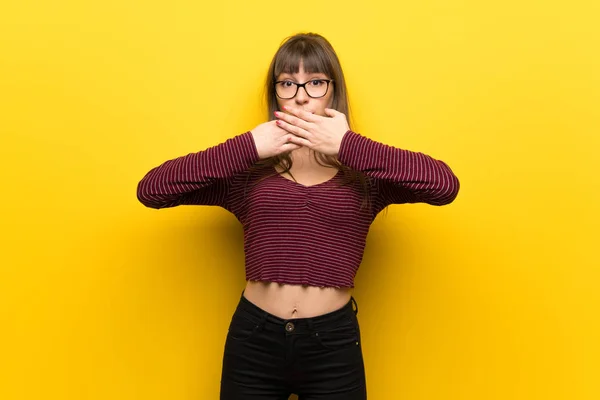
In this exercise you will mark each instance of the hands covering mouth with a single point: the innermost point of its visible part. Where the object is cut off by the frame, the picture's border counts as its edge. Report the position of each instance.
(320, 133)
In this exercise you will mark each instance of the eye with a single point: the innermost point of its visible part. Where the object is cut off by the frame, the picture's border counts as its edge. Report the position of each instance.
(287, 84)
(317, 82)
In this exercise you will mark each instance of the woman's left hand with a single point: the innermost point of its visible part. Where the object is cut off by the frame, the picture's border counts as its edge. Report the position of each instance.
(321, 134)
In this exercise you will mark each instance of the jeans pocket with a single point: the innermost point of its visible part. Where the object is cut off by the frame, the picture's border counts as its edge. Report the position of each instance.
(241, 328)
(338, 337)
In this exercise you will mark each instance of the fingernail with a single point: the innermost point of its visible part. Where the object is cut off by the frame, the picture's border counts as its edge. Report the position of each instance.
(286, 108)
(277, 113)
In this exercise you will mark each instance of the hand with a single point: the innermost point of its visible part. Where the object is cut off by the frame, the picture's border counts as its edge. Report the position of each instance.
(321, 134)
(272, 140)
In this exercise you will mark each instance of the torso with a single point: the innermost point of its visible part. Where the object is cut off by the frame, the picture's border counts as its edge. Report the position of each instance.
(299, 301)
(309, 177)
(296, 301)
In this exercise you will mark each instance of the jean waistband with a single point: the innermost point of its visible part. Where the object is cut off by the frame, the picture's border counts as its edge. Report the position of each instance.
(260, 316)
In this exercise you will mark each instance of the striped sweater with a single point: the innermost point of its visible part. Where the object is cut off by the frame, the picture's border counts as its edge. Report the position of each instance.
(296, 234)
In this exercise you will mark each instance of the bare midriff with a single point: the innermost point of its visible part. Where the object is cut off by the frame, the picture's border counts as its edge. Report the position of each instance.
(296, 301)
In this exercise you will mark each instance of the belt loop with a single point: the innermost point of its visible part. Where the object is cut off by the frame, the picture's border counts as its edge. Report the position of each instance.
(261, 323)
(310, 324)
(263, 320)
(355, 303)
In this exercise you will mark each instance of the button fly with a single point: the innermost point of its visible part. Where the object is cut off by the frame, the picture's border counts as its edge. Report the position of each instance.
(289, 327)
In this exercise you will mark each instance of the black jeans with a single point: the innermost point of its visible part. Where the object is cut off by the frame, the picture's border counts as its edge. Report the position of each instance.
(269, 358)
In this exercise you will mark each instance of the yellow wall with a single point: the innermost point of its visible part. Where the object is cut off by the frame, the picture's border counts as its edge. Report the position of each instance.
(492, 297)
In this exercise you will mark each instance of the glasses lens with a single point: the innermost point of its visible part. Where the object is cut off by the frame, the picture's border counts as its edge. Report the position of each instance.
(316, 88)
(285, 89)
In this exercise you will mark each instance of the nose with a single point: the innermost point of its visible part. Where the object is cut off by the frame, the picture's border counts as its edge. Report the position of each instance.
(302, 97)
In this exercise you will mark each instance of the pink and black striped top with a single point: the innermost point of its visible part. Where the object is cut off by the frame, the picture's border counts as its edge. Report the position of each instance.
(296, 234)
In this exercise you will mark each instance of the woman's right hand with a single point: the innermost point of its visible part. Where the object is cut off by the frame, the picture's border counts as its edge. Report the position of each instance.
(272, 140)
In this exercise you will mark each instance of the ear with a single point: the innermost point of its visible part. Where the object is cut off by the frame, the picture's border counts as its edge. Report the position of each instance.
(330, 112)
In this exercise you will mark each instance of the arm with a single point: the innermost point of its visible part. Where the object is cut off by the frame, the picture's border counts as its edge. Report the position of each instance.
(404, 176)
(201, 178)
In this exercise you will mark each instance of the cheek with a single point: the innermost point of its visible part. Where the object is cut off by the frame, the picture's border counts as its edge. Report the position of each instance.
(281, 103)
(326, 102)
(330, 96)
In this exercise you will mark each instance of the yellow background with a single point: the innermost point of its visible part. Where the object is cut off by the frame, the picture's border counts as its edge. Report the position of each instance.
(492, 297)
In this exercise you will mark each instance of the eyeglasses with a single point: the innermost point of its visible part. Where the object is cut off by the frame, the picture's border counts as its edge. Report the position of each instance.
(315, 88)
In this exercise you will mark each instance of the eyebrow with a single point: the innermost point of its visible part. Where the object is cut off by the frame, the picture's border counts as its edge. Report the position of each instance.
(313, 75)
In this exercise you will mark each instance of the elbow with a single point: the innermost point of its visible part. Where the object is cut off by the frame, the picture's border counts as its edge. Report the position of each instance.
(447, 191)
(144, 196)
(149, 198)
(452, 191)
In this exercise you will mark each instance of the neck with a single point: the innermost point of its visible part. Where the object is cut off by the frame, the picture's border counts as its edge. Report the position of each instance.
(303, 154)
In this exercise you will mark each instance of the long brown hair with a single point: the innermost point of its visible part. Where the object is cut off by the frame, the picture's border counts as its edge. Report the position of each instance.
(317, 56)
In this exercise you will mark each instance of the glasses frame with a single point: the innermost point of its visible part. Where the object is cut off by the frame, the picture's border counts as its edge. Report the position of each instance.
(303, 85)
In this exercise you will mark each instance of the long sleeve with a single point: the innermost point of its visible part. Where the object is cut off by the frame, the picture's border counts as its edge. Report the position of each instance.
(201, 178)
(402, 176)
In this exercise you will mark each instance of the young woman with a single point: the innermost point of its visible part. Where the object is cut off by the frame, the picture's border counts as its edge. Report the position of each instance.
(306, 188)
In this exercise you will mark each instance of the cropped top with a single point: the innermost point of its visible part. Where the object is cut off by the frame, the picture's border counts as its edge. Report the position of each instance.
(296, 234)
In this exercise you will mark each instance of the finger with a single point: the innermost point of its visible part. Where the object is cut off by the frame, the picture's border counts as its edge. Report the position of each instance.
(297, 140)
(292, 129)
(302, 114)
(291, 146)
(330, 112)
(290, 119)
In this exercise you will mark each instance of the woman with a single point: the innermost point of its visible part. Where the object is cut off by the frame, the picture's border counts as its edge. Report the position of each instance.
(306, 188)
